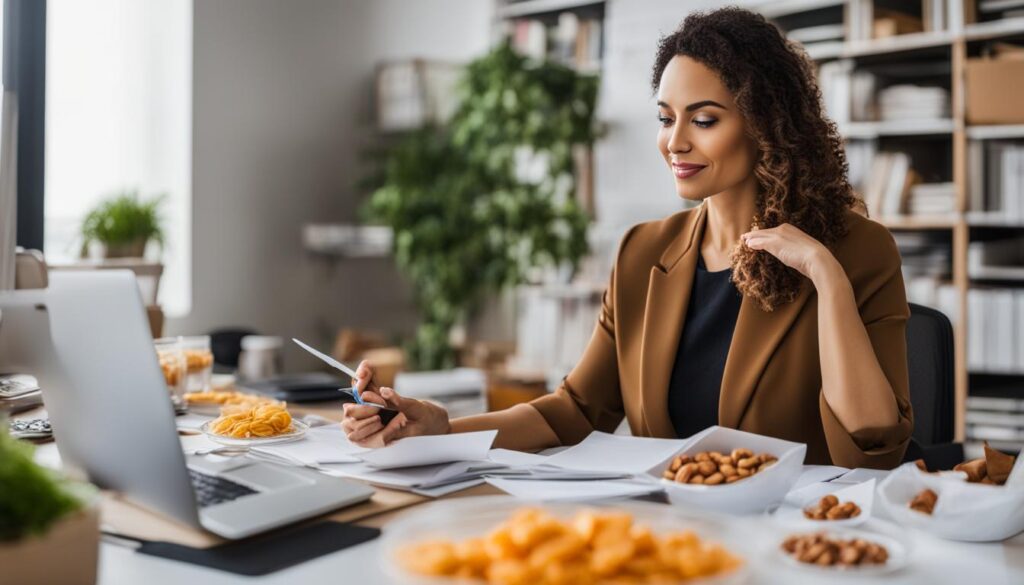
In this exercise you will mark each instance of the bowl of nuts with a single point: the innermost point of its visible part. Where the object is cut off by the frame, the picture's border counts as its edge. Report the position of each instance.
(854, 551)
(840, 506)
(731, 471)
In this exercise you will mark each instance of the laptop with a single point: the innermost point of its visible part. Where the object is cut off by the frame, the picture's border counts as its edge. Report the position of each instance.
(87, 341)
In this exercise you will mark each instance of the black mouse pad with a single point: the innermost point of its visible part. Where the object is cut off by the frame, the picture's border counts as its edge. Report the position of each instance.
(264, 554)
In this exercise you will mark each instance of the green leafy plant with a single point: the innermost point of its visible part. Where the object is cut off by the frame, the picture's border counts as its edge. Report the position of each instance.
(123, 224)
(465, 218)
(32, 498)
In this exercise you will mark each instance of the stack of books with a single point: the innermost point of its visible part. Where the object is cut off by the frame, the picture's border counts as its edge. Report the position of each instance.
(572, 41)
(996, 419)
(995, 330)
(913, 102)
(996, 259)
(996, 188)
(932, 199)
(888, 185)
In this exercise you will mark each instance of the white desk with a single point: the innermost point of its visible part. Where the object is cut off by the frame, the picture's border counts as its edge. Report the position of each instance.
(933, 561)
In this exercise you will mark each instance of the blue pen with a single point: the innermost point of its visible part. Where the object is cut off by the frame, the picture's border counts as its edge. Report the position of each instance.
(340, 366)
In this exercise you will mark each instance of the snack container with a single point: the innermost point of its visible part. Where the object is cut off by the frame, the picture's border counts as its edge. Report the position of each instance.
(198, 362)
(862, 494)
(467, 517)
(971, 512)
(172, 364)
(751, 495)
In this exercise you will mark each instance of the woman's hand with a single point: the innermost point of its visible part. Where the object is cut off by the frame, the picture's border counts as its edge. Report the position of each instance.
(362, 423)
(794, 248)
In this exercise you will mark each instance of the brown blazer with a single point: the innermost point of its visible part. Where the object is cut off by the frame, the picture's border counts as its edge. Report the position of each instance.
(772, 379)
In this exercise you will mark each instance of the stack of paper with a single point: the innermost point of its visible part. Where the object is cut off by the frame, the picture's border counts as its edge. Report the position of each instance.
(602, 466)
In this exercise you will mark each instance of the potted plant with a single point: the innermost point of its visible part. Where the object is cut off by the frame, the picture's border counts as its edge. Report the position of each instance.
(49, 527)
(467, 219)
(123, 225)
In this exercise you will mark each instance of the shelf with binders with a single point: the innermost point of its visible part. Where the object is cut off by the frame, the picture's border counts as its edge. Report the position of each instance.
(570, 33)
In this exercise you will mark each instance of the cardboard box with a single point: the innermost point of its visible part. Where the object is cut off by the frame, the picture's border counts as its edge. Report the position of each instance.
(994, 87)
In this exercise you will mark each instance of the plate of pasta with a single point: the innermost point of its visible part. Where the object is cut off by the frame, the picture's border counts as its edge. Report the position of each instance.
(259, 425)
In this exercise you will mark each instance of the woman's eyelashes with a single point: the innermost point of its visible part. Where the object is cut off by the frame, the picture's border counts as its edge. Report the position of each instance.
(666, 121)
(704, 122)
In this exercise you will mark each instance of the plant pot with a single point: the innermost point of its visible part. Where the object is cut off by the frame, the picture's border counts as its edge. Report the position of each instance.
(133, 249)
(68, 554)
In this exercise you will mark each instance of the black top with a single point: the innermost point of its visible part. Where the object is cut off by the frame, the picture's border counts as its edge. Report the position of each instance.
(696, 381)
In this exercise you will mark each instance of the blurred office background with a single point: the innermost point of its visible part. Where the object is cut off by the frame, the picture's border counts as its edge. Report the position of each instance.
(263, 126)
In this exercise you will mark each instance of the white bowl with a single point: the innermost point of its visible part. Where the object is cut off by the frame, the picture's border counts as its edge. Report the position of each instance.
(751, 495)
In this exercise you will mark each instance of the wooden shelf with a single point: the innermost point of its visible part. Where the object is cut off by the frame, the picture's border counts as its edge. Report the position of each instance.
(995, 131)
(779, 8)
(1004, 273)
(997, 28)
(898, 44)
(920, 222)
(989, 219)
(896, 128)
(534, 7)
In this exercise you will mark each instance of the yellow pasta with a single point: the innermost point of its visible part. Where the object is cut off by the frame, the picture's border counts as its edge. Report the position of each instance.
(533, 547)
(264, 420)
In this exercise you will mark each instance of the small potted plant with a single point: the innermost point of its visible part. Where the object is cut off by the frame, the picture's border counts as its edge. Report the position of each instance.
(123, 224)
(49, 527)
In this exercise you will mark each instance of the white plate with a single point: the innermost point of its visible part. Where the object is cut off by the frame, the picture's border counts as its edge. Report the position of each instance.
(464, 518)
(897, 545)
(862, 494)
(299, 429)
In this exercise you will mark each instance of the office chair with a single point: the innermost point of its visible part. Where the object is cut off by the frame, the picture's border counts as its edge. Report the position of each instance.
(930, 366)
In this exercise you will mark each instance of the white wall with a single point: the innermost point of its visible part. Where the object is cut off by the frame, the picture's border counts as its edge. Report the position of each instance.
(631, 181)
(282, 95)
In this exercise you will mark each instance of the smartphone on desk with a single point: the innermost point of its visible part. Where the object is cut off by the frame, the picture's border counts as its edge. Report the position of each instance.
(386, 414)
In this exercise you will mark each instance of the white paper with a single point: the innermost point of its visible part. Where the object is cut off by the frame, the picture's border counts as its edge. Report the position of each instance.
(818, 473)
(516, 458)
(191, 421)
(450, 488)
(319, 445)
(861, 474)
(422, 478)
(430, 449)
(964, 511)
(616, 453)
(548, 490)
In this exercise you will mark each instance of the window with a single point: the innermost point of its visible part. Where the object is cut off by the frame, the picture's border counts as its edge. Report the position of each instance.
(119, 117)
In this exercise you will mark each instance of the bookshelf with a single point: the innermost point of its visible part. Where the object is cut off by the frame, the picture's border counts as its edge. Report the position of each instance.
(934, 45)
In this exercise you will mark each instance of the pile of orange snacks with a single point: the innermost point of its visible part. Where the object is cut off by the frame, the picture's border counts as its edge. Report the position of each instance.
(228, 399)
(197, 359)
(829, 508)
(265, 420)
(171, 367)
(820, 549)
(533, 547)
(713, 468)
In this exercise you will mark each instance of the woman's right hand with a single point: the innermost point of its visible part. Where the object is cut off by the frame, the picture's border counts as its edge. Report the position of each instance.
(363, 426)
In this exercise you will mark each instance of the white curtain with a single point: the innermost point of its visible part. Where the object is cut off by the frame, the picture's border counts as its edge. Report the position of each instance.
(8, 189)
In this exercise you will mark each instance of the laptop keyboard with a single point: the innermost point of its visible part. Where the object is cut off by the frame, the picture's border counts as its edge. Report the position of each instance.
(211, 489)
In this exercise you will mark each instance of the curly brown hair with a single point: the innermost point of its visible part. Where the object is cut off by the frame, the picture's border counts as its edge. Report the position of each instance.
(801, 167)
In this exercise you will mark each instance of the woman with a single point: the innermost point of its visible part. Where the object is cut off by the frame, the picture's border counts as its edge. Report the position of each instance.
(773, 307)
